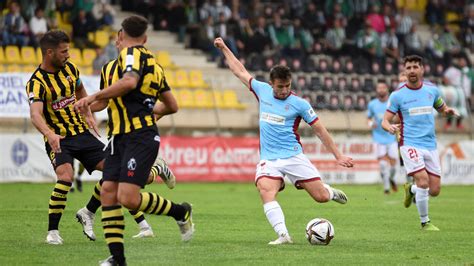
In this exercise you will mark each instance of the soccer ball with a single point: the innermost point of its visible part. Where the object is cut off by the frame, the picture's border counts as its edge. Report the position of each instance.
(319, 231)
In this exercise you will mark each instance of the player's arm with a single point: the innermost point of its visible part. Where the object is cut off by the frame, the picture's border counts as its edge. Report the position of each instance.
(37, 118)
(234, 64)
(166, 106)
(321, 132)
(443, 108)
(87, 111)
(387, 126)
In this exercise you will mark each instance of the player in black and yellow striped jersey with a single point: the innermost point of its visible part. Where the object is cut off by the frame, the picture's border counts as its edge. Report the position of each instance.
(109, 75)
(133, 149)
(52, 91)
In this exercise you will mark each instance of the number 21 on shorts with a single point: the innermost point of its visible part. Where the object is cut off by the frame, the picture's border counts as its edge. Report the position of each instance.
(412, 153)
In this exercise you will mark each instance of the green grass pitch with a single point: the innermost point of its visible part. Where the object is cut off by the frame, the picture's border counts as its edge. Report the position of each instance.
(372, 229)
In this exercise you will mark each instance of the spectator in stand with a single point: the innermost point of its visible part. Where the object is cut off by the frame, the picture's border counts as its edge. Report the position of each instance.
(434, 13)
(103, 13)
(281, 34)
(82, 5)
(222, 30)
(388, 17)
(38, 26)
(338, 8)
(460, 76)
(14, 27)
(110, 50)
(178, 19)
(467, 28)
(303, 38)
(81, 26)
(376, 20)
(64, 6)
(260, 40)
(413, 43)
(368, 42)
(404, 24)
(314, 20)
(100, 60)
(335, 38)
(389, 42)
(222, 8)
(451, 44)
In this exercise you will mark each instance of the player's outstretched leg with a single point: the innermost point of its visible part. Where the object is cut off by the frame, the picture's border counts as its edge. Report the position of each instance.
(85, 216)
(57, 204)
(153, 203)
(145, 228)
(160, 168)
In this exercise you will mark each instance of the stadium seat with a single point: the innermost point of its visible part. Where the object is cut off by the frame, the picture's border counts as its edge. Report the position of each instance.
(101, 38)
(348, 103)
(196, 80)
(323, 66)
(39, 56)
(29, 68)
(86, 70)
(336, 67)
(369, 85)
(3, 69)
(218, 99)
(348, 67)
(296, 65)
(88, 56)
(2, 56)
(334, 102)
(186, 98)
(315, 84)
(355, 85)
(203, 98)
(375, 69)
(13, 68)
(301, 82)
(231, 100)
(164, 59)
(309, 65)
(182, 79)
(75, 56)
(361, 103)
(170, 79)
(328, 84)
(341, 84)
(28, 55)
(321, 102)
(12, 55)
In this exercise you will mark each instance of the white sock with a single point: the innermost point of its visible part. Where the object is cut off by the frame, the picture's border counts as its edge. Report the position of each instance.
(329, 189)
(422, 197)
(392, 172)
(144, 225)
(385, 171)
(275, 217)
(413, 189)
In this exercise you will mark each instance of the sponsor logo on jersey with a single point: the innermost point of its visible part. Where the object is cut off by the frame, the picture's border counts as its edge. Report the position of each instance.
(423, 110)
(63, 102)
(272, 118)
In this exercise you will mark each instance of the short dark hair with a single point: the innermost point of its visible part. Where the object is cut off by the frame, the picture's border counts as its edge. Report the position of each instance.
(52, 39)
(413, 58)
(280, 72)
(135, 26)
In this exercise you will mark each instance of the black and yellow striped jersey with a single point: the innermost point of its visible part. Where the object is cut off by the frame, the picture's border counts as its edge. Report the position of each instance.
(133, 110)
(57, 91)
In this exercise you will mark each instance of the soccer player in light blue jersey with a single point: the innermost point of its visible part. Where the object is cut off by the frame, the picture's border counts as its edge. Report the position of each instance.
(414, 103)
(386, 143)
(281, 153)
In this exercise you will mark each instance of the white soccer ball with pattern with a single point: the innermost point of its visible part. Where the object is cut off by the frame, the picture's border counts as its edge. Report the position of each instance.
(319, 231)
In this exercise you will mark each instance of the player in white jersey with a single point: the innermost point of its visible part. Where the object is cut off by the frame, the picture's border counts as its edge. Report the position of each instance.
(414, 104)
(387, 149)
(281, 152)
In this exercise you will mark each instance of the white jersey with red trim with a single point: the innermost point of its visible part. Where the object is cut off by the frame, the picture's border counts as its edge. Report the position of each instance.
(279, 121)
(414, 106)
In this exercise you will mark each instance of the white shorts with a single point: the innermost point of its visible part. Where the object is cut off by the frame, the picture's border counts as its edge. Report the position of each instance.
(387, 149)
(416, 159)
(296, 169)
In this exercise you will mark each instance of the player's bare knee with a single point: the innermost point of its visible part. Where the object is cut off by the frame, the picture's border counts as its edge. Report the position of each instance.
(435, 191)
(322, 197)
(128, 201)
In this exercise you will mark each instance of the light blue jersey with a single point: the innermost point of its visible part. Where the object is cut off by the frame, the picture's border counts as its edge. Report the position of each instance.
(279, 121)
(376, 110)
(415, 108)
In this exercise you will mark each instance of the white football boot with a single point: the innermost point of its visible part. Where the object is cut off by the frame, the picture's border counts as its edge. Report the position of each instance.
(186, 227)
(53, 238)
(144, 232)
(339, 196)
(86, 219)
(281, 240)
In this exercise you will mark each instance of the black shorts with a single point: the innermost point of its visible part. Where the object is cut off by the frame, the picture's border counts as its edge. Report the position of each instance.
(130, 156)
(84, 147)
